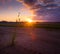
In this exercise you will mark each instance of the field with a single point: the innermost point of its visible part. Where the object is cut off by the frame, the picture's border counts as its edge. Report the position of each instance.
(42, 38)
(50, 25)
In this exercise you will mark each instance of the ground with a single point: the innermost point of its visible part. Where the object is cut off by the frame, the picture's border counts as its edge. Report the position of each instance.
(29, 40)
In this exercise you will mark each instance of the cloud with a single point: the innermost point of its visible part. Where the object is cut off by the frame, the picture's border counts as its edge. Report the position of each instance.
(28, 3)
(50, 8)
(46, 1)
(35, 4)
(5, 1)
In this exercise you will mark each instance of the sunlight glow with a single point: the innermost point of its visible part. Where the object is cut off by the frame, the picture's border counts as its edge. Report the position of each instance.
(29, 20)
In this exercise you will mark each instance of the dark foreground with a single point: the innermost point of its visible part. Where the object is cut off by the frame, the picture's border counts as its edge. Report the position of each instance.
(29, 40)
(48, 25)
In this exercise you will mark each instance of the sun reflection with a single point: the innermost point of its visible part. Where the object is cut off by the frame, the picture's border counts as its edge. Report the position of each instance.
(31, 33)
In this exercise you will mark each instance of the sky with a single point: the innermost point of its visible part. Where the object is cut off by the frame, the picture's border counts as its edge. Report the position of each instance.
(37, 10)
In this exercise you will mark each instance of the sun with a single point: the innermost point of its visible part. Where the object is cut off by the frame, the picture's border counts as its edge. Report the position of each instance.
(29, 20)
